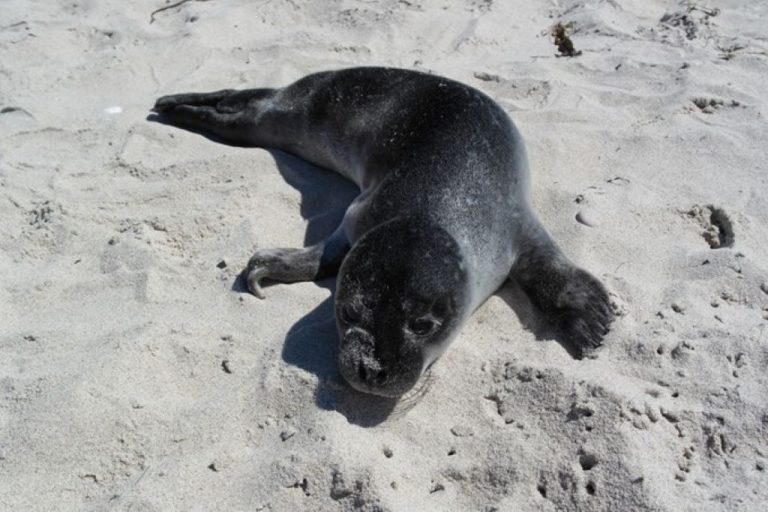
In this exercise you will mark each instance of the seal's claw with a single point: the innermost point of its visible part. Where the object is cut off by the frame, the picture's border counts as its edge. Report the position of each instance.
(583, 313)
(257, 270)
(254, 281)
(572, 300)
(273, 264)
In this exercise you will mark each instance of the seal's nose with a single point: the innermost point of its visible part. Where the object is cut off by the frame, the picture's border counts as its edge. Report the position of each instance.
(371, 373)
(358, 361)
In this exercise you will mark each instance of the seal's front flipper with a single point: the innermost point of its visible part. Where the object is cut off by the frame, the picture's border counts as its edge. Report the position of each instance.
(571, 298)
(295, 265)
(228, 115)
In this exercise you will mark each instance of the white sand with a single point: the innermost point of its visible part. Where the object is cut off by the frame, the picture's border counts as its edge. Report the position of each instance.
(116, 322)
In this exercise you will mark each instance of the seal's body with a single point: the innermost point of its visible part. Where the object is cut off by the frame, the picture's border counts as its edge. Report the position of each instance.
(442, 220)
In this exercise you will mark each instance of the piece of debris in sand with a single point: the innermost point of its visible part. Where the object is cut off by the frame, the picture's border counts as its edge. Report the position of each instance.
(563, 42)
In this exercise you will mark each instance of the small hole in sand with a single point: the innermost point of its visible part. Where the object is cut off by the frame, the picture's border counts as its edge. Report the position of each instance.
(722, 222)
(675, 394)
(718, 227)
(542, 490)
(591, 488)
(587, 461)
(660, 350)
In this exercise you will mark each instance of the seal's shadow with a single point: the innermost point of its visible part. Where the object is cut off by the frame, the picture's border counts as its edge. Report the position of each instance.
(312, 342)
(530, 317)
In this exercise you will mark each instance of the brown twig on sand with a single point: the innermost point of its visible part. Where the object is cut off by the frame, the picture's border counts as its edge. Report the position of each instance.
(562, 41)
(180, 2)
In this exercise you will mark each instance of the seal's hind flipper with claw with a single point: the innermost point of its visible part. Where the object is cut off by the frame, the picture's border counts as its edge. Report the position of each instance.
(192, 99)
(571, 299)
(228, 115)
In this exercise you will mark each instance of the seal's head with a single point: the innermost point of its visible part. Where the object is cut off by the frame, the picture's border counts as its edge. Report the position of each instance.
(402, 294)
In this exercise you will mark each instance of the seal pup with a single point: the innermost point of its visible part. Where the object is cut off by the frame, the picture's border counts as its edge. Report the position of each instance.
(442, 220)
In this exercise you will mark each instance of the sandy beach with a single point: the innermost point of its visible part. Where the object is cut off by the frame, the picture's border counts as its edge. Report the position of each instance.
(136, 373)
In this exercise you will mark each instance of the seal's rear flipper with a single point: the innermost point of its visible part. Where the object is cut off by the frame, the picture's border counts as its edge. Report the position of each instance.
(229, 115)
(191, 98)
(571, 298)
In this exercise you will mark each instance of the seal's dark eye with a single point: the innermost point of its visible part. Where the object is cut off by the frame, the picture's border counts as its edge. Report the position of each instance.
(422, 326)
(350, 314)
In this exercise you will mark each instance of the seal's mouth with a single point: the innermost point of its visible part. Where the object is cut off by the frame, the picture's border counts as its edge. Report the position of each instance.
(405, 399)
(371, 390)
(375, 382)
(367, 373)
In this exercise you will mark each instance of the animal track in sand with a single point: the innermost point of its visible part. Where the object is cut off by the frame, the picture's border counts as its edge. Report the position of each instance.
(356, 494)
(522, 93)
(568, 482)
(642, 417)
(581, 412)
(686, 463)
(582, 437)
(16, 32)
(690, 19)
(587, 460)
(505, 410)
(711, 105)
(716, 224)
(479, 6)
(718, 442)
(737, 361)
(43, 213)
(618, 181)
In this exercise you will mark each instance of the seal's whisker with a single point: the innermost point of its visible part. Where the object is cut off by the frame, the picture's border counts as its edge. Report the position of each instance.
(409, 400)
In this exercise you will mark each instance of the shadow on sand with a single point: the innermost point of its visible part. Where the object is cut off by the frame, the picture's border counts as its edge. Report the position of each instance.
(312, 343)
(531, 318)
